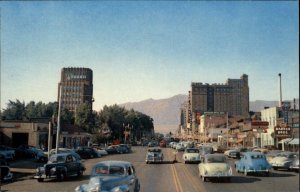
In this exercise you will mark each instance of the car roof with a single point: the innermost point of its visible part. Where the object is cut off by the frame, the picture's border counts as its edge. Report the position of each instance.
(253, 153)
(114, 163)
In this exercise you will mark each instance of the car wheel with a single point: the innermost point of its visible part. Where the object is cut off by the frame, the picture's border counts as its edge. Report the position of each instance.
(267, 174)
(40, 179)
(80, 173)
(61, 176)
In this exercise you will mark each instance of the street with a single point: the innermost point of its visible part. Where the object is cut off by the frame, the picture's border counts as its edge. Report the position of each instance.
(168, 177)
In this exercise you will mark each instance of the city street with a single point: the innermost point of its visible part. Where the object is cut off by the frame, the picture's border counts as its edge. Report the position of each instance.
(167, 177)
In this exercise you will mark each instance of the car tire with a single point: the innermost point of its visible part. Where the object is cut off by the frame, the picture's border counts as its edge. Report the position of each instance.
(40, 179)
(228, 179)
(267, 174)
(80, 173)
(61, 176)
(245, 172)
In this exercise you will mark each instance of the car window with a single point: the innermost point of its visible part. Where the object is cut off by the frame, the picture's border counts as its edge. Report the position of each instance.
(192, 150)
(111, 170)
(216, 159)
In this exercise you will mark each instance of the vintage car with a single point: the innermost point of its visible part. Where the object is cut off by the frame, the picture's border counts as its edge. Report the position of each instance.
(112, 176)
(60, 166)
(233, 153)
(191, 155)
(214, 166)
(283, 160)
(205, 149)
(295, 165)
(154, 155)
(87, 152)
(5, 175)
(253, 162)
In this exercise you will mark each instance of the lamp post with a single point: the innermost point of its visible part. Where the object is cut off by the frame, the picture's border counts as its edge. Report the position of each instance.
(58, 119)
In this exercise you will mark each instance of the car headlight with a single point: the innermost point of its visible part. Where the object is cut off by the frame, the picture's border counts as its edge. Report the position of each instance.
(53, 169)
(122, 188)
(95, 188)
(40, 169)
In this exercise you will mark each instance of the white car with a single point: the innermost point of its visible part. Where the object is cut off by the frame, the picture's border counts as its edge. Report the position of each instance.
(101, 152)
(191, 155)
(214, 166)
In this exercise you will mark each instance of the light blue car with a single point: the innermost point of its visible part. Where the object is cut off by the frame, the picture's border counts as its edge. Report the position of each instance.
(111, 176)
(253, 162)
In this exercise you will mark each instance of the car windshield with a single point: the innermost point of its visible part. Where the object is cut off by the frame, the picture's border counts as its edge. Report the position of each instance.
(192, 151)
(216, 159)
(57, 159)
(109, 170)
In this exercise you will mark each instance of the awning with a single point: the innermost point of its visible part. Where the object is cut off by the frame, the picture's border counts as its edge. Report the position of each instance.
(295, 141)
(291, 141)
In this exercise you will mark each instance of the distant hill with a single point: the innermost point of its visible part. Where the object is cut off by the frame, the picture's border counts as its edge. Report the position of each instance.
(166, 112)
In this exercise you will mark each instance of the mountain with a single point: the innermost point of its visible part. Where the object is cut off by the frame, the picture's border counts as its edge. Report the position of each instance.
(166, 112)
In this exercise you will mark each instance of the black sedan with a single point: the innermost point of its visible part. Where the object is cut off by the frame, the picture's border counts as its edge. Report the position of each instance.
(60, 166)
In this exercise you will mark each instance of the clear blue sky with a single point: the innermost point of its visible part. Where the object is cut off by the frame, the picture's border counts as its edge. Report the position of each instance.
(151, 49)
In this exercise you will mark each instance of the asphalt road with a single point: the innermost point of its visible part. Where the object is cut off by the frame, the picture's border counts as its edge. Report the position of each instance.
(165, 177)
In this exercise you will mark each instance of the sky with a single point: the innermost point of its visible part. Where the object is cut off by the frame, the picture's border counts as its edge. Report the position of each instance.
(149, 49)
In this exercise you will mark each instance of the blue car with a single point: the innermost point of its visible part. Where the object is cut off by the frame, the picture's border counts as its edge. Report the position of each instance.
(253, 162)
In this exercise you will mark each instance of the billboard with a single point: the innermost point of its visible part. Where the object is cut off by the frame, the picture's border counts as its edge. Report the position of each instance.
(282, 131)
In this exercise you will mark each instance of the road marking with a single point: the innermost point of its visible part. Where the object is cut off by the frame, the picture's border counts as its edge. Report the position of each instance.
(192, 178)
(176, 179)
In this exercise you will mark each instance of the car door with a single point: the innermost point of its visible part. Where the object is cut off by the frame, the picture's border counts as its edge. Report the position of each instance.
(71, 165)
(132, 180)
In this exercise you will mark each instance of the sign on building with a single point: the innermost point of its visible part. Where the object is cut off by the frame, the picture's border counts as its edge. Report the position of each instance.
(282, 131)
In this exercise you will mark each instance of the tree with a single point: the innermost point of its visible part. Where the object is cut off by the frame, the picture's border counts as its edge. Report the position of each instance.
(14, 111)
(84, 117)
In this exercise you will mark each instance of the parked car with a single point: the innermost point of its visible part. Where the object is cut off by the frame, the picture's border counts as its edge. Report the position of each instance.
(101, 151)
(154, 155)
(113, 149)
(112, 176)
(214, 166)
(5, 175)
(271, 154)
(233, 153)
(295, 165)
(64, 150)
(87, 153)
(253, 162)
(7, 152)
(283, 160)
(191, 155)
(60, 166)
(40, 156)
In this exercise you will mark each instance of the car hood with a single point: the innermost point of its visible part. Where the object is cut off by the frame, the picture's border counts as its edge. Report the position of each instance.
(216, 167)
(106, 182)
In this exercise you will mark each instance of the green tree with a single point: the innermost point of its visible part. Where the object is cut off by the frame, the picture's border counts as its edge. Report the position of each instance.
(84, 117)
(14, 111)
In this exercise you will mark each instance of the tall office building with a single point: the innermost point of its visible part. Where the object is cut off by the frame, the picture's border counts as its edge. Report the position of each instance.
(76, 87)
(231, 97)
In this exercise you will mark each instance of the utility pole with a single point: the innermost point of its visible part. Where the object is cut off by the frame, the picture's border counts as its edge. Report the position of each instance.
(280, 90)
(58, 120)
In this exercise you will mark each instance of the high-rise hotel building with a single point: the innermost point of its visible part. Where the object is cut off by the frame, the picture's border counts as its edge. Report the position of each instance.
(76, 85)
(231, 97)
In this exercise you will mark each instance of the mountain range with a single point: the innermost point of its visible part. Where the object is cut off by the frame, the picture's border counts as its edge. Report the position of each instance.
(166, 112)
